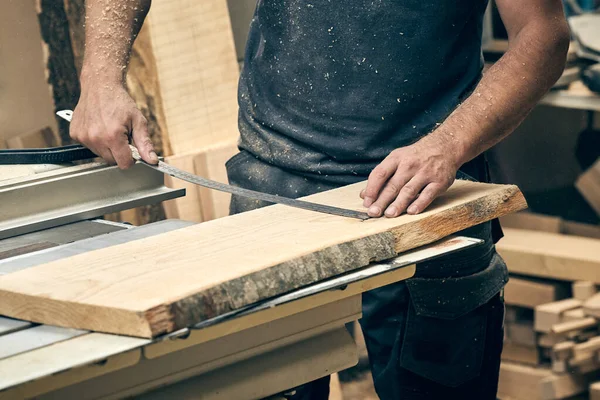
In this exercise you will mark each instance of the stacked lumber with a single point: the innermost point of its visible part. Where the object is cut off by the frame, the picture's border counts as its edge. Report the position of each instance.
(588, 185)
(552, 323)
(201, 204)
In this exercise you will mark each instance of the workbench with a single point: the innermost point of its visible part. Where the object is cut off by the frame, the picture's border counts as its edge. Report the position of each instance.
(263, 350)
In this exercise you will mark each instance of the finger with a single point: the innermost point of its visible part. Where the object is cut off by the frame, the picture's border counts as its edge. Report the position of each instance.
(407, 194)
(377, 179)
(119, 147)
(142, 141)
(430, 193)
(389, 193)
(105, 154)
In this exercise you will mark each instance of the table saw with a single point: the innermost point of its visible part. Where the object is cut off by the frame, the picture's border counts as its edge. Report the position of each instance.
(55, 211)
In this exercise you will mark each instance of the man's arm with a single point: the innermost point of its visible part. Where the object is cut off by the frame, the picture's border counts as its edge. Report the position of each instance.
(106, 114)
(410, 178)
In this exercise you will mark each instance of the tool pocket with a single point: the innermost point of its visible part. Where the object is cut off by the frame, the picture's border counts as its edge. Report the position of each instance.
(445, 332)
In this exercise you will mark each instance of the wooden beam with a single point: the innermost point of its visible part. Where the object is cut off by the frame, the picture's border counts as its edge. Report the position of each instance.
(583, 290)
(40, 138)
(530, 293)
(592, 306)
(191, 73)
(551, 255)
(530, 221)
(595, 391)
(588, 185)
(170, 281)
(521, 333)
(547, 223)
(201, 204)
(525, 382)
(579, 229)
(520, 354)
(547, 315)
(211, 164)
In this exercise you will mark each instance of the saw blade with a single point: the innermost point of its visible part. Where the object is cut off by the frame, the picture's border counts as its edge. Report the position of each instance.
(235, 190)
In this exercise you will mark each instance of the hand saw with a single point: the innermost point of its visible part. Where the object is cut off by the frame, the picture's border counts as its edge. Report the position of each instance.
(238, 191)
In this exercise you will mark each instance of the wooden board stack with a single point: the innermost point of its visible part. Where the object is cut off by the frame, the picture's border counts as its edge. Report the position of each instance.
(588, 185)
(552, 328)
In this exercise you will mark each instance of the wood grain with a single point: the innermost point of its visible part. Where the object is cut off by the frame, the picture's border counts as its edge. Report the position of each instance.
(169, 281)
(201, 204)
(195, 66)
(588, 185)
(37, 139)
(530, 293)
(551, 255)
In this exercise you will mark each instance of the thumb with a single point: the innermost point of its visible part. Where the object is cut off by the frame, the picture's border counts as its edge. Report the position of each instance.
(142, 141)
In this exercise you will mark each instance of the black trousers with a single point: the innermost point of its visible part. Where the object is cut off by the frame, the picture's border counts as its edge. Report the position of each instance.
(387, 334)
(431, 337)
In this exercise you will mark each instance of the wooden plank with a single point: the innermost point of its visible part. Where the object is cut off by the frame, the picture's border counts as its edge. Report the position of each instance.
(63, 356)
(92, 243)
(8, 325)
(579, 229)
(195, 66)
(577, 325)
(34, 338)
(187, 208)
(592, 306)
(525, 382)
(550, 314)
(551, 255)
(520, 381)
(169, 281)
(520, 354)
(547, 223)
(531, 221)
(530, 293)
(521, 333)
(583, 290)
(574, 314)
(595, 391)
(271, 315)
(201, 204)
(211, 164)
(588, 185)
(37, 139)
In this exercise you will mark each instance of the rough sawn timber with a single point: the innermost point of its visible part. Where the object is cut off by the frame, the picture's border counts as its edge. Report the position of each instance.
(160, 284)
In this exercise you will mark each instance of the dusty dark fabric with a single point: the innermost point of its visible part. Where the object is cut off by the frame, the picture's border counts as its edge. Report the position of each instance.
(415, 356)
(329, 88)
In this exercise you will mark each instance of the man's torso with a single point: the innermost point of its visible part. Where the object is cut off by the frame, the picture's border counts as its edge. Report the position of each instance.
(330, 87)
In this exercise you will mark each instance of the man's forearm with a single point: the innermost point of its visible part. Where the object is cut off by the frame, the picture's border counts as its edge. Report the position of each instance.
(507, 92)
(111, 28)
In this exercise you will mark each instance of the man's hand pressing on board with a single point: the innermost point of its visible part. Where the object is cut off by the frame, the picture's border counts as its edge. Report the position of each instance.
(410, 178)
(106, 117)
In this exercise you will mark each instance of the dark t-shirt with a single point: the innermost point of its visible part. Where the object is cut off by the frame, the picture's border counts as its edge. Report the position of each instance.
(329, 87)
